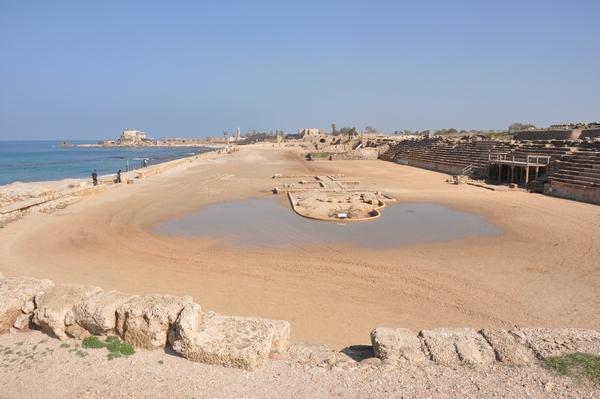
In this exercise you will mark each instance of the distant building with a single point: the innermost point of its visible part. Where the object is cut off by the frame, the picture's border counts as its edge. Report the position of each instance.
(307, 133)
(134, 136)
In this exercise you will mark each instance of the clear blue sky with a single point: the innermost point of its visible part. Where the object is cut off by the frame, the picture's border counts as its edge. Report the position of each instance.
(88, 70)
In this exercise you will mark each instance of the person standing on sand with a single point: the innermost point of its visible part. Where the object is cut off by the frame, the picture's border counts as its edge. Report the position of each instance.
(118, 179)
(95, 177)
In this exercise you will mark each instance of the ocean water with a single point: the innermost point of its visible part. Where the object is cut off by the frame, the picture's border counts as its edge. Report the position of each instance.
(31, 161)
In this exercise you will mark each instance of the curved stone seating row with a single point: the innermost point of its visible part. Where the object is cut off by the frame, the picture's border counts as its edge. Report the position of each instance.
(155, 321)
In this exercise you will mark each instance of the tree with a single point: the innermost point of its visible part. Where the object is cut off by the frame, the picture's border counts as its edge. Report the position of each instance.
(515, 127)
(370, 129)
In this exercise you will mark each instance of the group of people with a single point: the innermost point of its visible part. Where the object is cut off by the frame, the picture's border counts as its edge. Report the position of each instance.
(95, 177)
(118, 176)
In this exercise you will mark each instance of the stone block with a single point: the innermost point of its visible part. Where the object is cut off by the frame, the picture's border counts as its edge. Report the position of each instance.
(98, 314)
(15, 292)
(398, 344)
(146, 321)
(230, 341)
(22, 321)
(452, 345)
(504, 346)
(544, 342)
(55, 307)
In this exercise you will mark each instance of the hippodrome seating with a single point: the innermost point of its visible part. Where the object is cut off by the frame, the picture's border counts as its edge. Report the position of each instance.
(572, 163)
(580, 169)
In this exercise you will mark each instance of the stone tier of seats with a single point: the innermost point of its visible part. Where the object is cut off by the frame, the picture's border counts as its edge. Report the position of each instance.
(581, 168)
(467, 153)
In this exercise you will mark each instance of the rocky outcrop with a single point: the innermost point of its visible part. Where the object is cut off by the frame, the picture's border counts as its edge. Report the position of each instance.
(149, 321)
(55, 308)
(398, 344)
(16, 300)
(98, 314)
(242, 342)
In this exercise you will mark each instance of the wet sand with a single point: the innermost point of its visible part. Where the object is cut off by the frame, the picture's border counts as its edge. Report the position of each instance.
(543, 271)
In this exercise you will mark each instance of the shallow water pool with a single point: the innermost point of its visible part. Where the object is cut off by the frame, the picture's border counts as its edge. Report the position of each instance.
(265, 223)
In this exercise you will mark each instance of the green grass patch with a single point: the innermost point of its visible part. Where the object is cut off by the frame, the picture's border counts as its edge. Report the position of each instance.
(578, 365)
(93, 342)
(160, 362)
(115, 346)
(65, 345)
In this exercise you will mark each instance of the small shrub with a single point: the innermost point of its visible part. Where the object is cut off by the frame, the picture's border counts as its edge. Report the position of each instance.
(92, 342)
(115, 346)
(160, 362)
(575, 365)
(65, 345)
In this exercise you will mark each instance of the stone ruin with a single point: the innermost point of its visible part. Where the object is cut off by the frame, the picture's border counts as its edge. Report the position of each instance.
(157, 321)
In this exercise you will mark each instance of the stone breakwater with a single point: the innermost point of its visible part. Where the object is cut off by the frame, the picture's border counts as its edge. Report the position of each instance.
(157, 321)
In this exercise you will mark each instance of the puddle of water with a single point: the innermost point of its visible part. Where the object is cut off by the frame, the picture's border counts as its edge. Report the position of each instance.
(265, 223)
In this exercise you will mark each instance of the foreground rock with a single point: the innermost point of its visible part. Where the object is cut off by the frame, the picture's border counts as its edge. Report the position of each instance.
(453, 345)
(504, 345)
(16, 300)
(398, 344)
(98, 314)
(55, 309)
(149, 321)
(544, 342)
(242, 342)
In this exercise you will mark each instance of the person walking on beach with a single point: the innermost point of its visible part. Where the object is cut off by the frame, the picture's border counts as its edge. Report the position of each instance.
(118, 179)
(95, 177)
(145, 163)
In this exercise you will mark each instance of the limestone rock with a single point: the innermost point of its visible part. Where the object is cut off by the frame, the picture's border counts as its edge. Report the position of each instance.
(504, 346)
(544, 342)
(145, 321)
(450, 345)
(15, 292)
(76, 331)
(98, 314)
(399, 344)
(55, 307)
(230, 341)
(22, 321)
(28, 307)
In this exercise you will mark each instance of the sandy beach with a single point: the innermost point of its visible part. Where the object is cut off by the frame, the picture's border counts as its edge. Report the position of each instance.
(542, 271)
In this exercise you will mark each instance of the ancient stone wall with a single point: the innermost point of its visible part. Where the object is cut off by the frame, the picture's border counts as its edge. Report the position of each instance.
(548, 135)
(590, 134)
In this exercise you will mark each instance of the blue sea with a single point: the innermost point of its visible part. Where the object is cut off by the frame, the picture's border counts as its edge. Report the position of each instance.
(31, 161)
